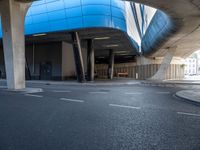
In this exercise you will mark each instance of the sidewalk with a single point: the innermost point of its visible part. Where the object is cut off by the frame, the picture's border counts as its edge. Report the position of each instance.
(190, 95)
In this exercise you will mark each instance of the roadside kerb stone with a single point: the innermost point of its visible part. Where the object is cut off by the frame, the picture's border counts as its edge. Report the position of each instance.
(189, 95)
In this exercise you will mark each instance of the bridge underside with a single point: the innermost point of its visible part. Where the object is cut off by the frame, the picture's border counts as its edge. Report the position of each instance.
(185, 15)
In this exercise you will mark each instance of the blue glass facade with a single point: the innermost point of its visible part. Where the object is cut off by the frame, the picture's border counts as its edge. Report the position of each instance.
(160, 26)
(58, 15)
(64, 15)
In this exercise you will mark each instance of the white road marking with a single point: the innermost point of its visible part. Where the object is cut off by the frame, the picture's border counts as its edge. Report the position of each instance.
(188, 114)
(57, 91)
(123, 106)
(39, 96)
(162, 92)
(134, 93)
(98, 92)
(72, 100)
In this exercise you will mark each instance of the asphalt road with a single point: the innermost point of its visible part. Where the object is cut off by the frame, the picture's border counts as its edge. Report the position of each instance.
(98, 118)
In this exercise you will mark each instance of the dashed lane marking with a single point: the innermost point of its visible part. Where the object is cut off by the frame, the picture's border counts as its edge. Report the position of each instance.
(61, 91)
(124, 106)
(98, 92)
(32, 95)
(188, 114)
(134, 93)
(162, 92)
(72, 100)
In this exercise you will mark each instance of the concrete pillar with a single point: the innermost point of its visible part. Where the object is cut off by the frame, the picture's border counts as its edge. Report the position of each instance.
(160, 74)
(13, 16)
(111, 64)
(90, 60)
(80, 71)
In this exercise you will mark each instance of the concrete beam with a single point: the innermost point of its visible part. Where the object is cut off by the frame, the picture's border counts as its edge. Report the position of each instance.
(13, 16)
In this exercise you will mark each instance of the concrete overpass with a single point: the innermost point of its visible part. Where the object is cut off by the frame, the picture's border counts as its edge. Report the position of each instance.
(185, 38)
(185, 15)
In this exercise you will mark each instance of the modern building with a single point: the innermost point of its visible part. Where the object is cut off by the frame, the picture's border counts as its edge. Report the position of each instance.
(65, 39)
(108, 25)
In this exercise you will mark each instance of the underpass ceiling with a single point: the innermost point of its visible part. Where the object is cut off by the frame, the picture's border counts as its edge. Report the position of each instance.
(119, 40)
(186, 17)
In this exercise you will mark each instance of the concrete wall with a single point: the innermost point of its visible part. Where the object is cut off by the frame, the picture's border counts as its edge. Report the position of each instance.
(145, 71)
(68, 63)
(60, 54)
(45, 52)
(147, 67)
(157, 60)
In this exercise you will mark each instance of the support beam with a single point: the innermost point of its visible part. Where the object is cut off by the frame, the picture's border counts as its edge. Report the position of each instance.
(160, 74)
(80, 71)
(90, 60)
(111, 64)
(13, 16)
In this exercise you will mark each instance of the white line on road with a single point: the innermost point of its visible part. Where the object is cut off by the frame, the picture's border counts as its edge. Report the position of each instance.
(72, 100)
(57, 91)
(134, 93)
(98, 92)
(123, 106)
(162, 92)
(39, 96)
(188, 114)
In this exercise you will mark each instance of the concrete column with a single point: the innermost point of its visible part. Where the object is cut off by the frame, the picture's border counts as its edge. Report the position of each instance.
(111, 64)
(90, 60)
(80, 71)
(13, 16)
(160, 74)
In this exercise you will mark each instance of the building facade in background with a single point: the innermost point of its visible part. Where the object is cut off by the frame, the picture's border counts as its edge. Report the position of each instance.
(192, 64)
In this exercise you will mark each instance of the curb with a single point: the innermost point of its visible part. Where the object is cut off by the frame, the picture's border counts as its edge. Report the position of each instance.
(180, 95)
(176, 85)
(28, 90)
(86, 84)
